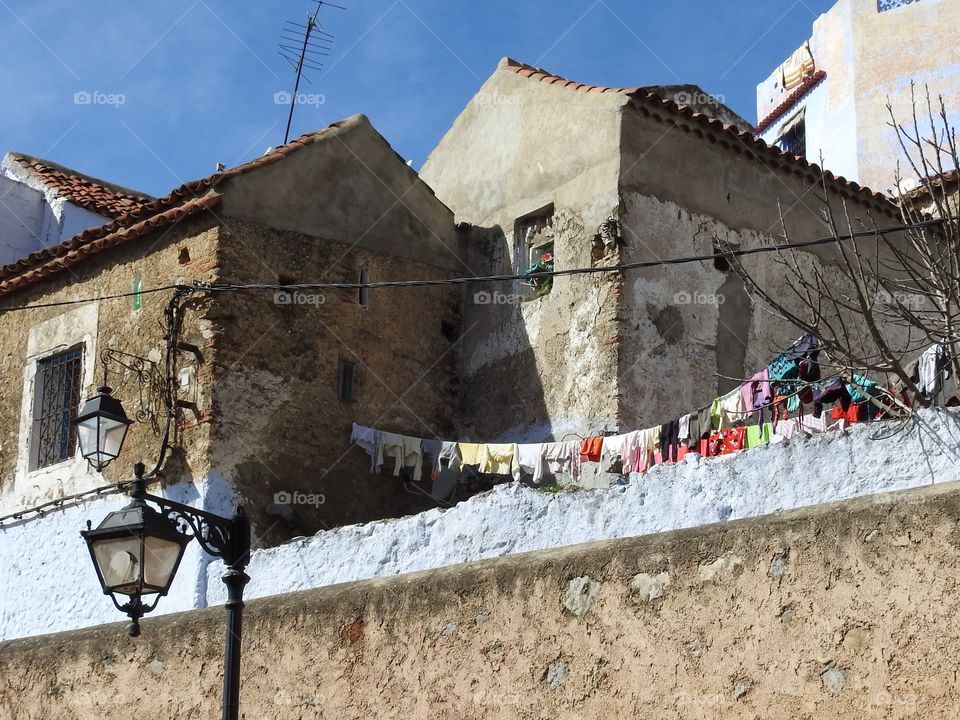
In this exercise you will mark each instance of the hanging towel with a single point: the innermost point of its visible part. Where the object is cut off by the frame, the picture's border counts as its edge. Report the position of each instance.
(758, 435)
(684, 425)
(369, 440)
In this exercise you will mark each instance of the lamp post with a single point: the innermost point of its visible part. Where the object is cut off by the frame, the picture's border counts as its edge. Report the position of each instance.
(136, 550)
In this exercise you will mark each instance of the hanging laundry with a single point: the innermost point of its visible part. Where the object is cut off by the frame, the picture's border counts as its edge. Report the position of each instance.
(561, 457)
(756, 391)
(758, 435)
(405, 451)
(861, 389)
(725, 442)
(617, 451)
(648, 442)
(449, 457)
(807, 347)
(591, 449)
(431, 455)
(684, 429)
(933, 368)
(830, 392)
(500, 459)
(670, 441)
(811, 424)
(728, 410)
(470, 453)
(369, 440)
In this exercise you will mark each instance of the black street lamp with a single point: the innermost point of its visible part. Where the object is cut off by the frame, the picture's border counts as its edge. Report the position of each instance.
(101, 428)
(136, 550)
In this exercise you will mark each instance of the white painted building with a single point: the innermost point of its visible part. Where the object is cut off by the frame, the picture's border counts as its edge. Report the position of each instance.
(43, 204)
(829, 98)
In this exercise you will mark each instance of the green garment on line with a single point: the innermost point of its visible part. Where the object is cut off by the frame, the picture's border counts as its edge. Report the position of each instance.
(757, 436)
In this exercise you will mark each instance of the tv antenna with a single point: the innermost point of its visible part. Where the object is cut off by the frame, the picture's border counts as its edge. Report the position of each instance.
(302, 45)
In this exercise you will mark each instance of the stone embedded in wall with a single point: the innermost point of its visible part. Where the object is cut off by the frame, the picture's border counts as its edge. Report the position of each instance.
(726, 565)
(833, 680)
(778, 566)
(580, 595)
(556, 674)
(647, 587)
(856, 640)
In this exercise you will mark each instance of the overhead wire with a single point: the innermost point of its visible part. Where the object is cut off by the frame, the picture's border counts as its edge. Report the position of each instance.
(476, 279)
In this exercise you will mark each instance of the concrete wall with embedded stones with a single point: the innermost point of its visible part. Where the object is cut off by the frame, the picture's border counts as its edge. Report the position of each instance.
(847, 610)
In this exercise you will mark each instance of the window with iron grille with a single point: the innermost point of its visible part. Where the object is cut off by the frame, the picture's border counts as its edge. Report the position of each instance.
(793, 137)
(884, 5)
(57, 391)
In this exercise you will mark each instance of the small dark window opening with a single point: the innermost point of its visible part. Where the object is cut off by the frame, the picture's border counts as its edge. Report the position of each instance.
(363, 297)
(184, 256)
(56, 403)
(720, 262)
(793, 139)
(345, 385)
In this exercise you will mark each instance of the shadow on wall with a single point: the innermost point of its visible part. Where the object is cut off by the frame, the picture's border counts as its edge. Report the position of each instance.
(503, 391)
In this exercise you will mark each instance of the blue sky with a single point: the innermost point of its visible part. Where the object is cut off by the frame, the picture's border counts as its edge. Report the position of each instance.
(177, 86)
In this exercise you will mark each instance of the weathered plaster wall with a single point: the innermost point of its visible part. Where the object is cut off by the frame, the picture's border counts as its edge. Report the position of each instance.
(280, 425)
(182, 254)
(349, 184)
(690, 331)
(839, 611)
(534, 368)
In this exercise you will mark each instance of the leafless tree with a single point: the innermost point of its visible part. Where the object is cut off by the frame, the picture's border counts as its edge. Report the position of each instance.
(875, 297)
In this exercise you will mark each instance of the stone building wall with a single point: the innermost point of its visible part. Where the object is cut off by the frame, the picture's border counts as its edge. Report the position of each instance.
(847, 610)
(534, 367)
(281, 426)
(184, 253)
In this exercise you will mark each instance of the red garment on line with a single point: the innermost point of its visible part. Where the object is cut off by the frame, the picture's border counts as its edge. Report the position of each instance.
(590, 449)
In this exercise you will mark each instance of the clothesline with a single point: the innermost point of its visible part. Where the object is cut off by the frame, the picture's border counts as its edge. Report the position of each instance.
(755, 413)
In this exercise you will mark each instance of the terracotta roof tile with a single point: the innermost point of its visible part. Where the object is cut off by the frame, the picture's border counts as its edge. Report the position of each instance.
(788, 102)
(188, 199)
(713, 129)
(83, 191)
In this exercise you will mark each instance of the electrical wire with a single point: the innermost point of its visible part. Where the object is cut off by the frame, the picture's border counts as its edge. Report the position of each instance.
(641, 265)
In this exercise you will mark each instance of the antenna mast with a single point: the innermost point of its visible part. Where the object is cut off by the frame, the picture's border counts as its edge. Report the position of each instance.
(303, 52)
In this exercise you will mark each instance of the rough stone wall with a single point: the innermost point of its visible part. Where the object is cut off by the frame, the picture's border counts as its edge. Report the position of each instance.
(534, 368)
(280, 425)
(839, 611)
(185, 253)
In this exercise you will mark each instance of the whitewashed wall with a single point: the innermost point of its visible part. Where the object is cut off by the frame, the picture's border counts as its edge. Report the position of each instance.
(47, 582)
